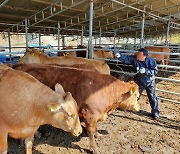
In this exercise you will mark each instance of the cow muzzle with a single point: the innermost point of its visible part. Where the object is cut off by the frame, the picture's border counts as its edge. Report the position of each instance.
(77, 131)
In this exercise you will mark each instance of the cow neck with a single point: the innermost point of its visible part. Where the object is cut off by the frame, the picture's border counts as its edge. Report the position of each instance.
(49, 96)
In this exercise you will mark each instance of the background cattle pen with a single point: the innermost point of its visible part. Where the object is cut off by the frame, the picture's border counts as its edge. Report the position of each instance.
(103, 25)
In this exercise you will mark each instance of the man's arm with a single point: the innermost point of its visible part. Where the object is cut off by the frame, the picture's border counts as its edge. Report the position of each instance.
(127, 59)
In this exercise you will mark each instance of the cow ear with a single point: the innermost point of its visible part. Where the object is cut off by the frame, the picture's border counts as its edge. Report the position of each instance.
(131, 90)
(41, 51)
(59, 89)
(68, 96)
(28, 50)
(53, 107)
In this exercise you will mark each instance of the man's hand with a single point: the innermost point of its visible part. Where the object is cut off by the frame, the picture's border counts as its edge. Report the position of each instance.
(142, 70)
(117, 55)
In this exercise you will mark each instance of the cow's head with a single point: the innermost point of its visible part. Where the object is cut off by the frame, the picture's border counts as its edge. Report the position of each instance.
(64, 113)
(31, 56)
(130, 99)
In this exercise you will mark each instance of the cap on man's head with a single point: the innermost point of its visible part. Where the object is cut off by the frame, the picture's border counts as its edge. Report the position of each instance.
(144, 51)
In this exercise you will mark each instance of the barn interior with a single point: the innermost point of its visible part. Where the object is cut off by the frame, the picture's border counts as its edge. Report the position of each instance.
(140, 21)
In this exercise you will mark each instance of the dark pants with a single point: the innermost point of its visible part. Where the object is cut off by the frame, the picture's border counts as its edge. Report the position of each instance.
(151, 93)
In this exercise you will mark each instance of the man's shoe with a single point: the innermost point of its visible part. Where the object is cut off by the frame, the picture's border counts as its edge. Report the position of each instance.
(155, 117)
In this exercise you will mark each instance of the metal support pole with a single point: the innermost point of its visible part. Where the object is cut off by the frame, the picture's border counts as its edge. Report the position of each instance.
(58, 37)
(114, 39)
(127, 40)
(100, 36)
(118, 41)
(90, 30)
(63, 41)
(142, 29)
(156, 39)
(82, 34)
(26, 31)
(40, 40)
(167, 33)
(135, 41)
(9, 40)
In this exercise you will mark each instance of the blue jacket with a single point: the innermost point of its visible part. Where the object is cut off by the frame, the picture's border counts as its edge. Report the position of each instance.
(150, 69)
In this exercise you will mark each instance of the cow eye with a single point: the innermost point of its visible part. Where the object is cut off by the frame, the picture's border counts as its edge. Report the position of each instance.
(69, 114)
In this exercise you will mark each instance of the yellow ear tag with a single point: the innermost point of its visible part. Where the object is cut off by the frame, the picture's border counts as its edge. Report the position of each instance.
(32, 54)
(53, 108)
(131, 92)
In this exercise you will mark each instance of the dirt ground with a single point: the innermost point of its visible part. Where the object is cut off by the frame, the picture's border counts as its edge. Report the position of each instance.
(123, 132)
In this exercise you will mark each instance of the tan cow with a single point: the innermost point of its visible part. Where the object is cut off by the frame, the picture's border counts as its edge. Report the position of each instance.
(103, 53)
(96, 94)
(160, 58)
(37, 57)
(26, 103)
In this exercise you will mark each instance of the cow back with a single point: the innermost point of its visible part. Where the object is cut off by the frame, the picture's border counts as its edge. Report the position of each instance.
(36, 57)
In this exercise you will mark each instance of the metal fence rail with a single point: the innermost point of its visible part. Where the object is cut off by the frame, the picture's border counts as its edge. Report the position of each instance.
(160, 78)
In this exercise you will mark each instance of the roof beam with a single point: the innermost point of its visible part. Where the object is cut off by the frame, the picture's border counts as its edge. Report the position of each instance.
(45, 18)
(4, 3)
(56, 13)
(104, 14)
(58, 5)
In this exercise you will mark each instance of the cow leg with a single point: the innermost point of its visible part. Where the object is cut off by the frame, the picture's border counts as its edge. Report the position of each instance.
(91, 130)
(163, 63)
(37, 134)
(3, 142)
(166, 62)
(97, 134)
(93, 145)
(29, 143)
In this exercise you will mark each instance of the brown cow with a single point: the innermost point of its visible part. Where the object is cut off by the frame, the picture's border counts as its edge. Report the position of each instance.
(81, 53)
(37, 57)
(26, 103)
(96, 94)
(67, 53)
(160, 58)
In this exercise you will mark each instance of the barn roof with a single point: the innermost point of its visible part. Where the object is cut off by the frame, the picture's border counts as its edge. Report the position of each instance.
(119, 17)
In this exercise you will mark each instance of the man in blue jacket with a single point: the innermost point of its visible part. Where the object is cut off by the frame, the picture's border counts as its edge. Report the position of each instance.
(146, 69)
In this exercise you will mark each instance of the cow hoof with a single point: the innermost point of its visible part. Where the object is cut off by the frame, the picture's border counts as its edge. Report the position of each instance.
(97, 134)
